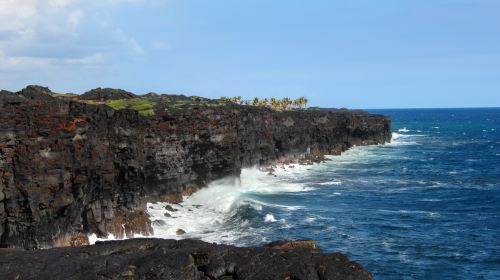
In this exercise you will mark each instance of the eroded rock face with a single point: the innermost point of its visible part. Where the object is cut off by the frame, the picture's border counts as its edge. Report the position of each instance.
(68, 167)
(171, 259)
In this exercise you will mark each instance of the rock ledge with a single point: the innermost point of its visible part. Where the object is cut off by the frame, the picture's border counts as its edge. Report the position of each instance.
(171, 259)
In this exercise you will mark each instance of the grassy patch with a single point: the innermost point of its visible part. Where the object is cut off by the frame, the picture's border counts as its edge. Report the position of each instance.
(144, 106)
(215, 105)
(188, 104)
(178, 104)
(147, 113)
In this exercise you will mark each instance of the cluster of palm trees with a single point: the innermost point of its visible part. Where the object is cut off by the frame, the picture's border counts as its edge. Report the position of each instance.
(277, 104)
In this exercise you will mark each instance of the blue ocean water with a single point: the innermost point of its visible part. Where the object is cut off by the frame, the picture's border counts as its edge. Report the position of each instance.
(426, 206)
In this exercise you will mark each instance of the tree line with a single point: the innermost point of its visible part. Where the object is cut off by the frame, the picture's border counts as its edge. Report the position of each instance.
(277, 104)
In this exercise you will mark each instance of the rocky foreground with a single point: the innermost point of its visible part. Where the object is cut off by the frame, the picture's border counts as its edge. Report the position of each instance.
(185, 259)
(74, 165)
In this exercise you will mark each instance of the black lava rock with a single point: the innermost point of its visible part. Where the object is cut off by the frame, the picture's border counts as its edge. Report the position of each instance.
(69, 166)
(177, 260)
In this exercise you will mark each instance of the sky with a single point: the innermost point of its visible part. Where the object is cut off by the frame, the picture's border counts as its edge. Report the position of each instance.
(355, 54)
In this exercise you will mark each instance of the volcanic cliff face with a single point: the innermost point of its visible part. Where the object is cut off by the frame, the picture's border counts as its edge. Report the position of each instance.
(69, 167)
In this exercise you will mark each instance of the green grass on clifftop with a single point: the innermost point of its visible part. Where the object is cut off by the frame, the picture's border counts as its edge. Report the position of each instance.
(144, 106)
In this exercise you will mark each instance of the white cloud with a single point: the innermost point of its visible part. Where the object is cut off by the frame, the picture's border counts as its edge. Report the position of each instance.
(118, 2)
(22, 63)
(14, 14)
(94, 59)
(60, 3)
(26, 63)
(75, 17)
(40, 34)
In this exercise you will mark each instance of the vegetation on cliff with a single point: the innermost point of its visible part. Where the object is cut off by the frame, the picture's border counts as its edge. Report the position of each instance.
(150, 104)
(284, 104)
(89, 171)
(144, 106)
(147, 105)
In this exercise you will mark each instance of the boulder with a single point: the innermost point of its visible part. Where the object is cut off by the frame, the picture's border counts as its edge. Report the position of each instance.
(170, 208)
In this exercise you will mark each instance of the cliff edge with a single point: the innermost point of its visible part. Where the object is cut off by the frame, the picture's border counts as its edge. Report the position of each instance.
(70, 166)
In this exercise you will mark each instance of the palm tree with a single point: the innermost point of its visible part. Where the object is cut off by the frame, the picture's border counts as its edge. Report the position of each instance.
(236, 99)
(265, 102)
(274, 103)
(255, 101)
(300, 103)
(304, 102)
(286, 103)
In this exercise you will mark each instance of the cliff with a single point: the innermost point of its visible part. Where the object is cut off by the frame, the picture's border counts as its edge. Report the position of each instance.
(70, 167)
(177, 260)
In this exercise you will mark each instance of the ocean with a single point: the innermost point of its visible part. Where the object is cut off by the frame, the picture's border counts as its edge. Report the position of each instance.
(425, 206)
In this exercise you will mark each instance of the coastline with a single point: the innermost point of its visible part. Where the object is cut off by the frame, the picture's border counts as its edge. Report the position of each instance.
(176, 203)
(93, 169)
(185, 259)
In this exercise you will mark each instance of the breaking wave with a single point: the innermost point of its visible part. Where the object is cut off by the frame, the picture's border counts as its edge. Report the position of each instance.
(223, 211)
(331, 183)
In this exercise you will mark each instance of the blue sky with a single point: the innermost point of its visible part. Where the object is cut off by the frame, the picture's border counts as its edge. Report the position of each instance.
(356, 54)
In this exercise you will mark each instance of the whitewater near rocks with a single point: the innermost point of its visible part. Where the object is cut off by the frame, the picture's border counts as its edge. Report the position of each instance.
(71, 167)
(421, 207)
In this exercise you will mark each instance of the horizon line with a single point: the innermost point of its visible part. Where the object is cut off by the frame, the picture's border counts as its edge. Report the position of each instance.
(431, 108)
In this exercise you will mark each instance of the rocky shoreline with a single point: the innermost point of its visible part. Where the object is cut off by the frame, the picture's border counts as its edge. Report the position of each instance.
(71, 165)
(177, 260)
(76, 165)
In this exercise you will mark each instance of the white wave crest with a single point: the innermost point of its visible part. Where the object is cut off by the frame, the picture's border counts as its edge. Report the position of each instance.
(405, 139)
(331, 183)
(93, 238)
(269, 218)
(396, 135)
(210, 214)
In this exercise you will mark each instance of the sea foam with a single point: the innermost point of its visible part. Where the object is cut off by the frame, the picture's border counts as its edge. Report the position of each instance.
(270, 218)
(331, 183)
(212, 213)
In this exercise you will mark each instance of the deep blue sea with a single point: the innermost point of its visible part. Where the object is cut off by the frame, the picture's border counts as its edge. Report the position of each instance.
(426, 206)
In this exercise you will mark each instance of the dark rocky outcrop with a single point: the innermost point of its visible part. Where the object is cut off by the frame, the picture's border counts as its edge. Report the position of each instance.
(5, 93)
(106, 94)
(293, 244)
(10, 98)
(170, 259)
(68, 167)
(36, 93)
